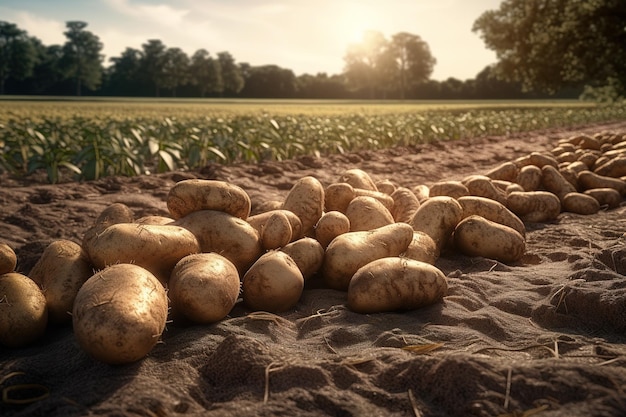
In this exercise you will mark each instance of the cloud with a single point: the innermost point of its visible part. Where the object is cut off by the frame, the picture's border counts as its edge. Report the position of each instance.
(49, 31)
(161, 14)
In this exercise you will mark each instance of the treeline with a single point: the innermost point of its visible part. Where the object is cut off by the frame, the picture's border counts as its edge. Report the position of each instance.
(377, 68)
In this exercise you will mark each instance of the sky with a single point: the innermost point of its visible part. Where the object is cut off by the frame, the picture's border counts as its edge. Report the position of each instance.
(306, 36)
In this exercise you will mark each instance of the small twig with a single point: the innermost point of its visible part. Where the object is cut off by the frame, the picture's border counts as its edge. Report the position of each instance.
(329, 346)
(268, 369)
(507, 392)
(416, 410)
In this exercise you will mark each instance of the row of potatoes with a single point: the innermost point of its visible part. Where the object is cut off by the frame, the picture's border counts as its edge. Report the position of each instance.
(376, 240)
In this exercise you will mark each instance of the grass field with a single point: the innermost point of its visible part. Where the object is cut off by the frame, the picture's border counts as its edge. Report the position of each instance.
(95, 137)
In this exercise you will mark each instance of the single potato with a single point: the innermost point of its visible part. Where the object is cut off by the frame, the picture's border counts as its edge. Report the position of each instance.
(8, 259)
(330, 225)
(477, 236)
(306, 200)
(192, 195)
(367, 213)
(307, 253)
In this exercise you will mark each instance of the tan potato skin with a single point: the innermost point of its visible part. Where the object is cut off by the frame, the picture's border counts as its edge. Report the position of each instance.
(23, 311)
(422, 248)
(330, 225)
(366, 213)
(156, 248)
(113, 214)
(230, 236)
(386, 186)
(477, 236)
(482, 186)
(192, 195)
(405, 204)
(454, 189)
(276, 232)
(8, 259)
(540, 160)
(274, 283)
(393, 284)
(580, 203)
(614, 167)
(609, 197)
(154, 220)
(491, 210)
(338, 196)
(258, 221)
(555, 182)
(437, 217)
(120, 313)
(534, 206)
(204, 287)
(60, 272)
(306, 200)
(350, 251)
(422, 192)
(589, 180)
(307, 253)
(506, 171)
(358, 179)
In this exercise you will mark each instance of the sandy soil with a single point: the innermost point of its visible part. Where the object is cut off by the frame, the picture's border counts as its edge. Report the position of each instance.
(546, 335)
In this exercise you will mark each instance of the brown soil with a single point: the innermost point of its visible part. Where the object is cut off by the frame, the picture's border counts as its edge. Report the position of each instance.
(546, 334)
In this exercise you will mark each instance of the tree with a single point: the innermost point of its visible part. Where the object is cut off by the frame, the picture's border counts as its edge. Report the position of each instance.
(364, 69)
(412, 62)
(175, 68)
(82, 60)
(153, 63)
(124, 73)
(206, 73)
(553, 44)
(18, 55)
(231, 74)
(269, 81)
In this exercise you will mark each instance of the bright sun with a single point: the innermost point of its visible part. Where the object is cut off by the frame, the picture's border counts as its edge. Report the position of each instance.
(353, 22)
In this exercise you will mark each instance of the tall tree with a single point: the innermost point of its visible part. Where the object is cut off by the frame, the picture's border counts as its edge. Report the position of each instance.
(153, 63)
(552, 44)
(270, 81)
(18, 55)
(231, 73)
(81, 56)
(364, 61)
(124, 73)
(413, 61)
(206, 73)
(175, 69)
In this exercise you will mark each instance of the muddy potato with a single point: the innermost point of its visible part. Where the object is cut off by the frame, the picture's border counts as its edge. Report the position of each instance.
(506, 171)
(223, 233)
(274, 283)
(120, 313)
(358, 179)
(477, 236)
(23, 311)
(405, 204)
(422, 248)
(580, 203)
(540, 160)
(588, 158)
(529, 177)
(203, 287)
(554, 182)
(156, 248)
(276, 232)
(8, 259)
(454, 189)
(366, 213)
(60, 272)
(437, 217)
(614, 167)
(482, 186)
(491, 210)
(350, 251)
(307, 253)
(608, 197)
(395, 284)
(306, 200)
(330, 225)
(589, 180)
(534, 206)
(192, 195)
(259, 220)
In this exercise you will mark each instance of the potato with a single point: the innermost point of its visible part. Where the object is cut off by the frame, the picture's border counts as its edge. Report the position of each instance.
(366, 213)
(614, 167)
(358, 178)
(588, 158)
(405, 204)
(223, 233)
(566, 157)
(609, 197)
(192, 195)
(156, 248)
(113, 214)
(534, 206)
(580, 203)
(437, 217)
(23, 311)
(350, 251)
(60, 272)
(120, 313)
(259, 220)
(386, 186)
(8, 259)
(338, 196)
(422, 248)
(154, 219)
(330, 225)
(392, 284)
(529, 177)
(477, 236)
(540, 160)
(203, 287)
(588, 180)
(491, 210)
(383, 198)
(555, 182)
(422, 192)
(454, 189)
(276, 232)
(588, 142)
(274, 283)
(506, 171)
(306, 200)
(307, 253)
(482, 186)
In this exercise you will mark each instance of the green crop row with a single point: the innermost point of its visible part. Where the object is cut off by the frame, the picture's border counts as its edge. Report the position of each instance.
(102, 145)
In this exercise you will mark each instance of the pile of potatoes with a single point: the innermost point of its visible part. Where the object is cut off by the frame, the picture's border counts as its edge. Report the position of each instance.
(376, 240)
